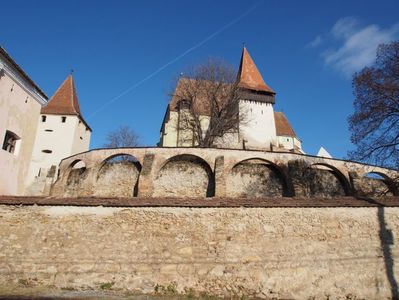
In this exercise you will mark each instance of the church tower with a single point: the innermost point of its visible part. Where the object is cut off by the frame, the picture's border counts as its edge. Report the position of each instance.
(259, 129)
(62, 132)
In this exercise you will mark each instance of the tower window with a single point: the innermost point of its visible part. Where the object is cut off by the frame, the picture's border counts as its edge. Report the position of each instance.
(44, 118)
(47, 151)
(10, 141)
(63, 119)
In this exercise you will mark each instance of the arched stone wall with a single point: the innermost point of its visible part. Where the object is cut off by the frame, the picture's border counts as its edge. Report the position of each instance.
(184, 176)
(76, 179)
(375, 184)
(118, 176)
(319, 180)
(254, 178)
(199, 172)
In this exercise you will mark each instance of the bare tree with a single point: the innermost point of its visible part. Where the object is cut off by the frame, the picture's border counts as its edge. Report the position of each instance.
(123, 136)
(374, 125)
(208, 97)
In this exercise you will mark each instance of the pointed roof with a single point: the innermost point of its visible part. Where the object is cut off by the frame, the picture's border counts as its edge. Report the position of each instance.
(283, 126)
(249, 76)
(64, 101)
(323, 153)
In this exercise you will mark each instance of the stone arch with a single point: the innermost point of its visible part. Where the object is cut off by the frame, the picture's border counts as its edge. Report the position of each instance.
(256, 177)
(184, 176)
(118, 176)
(76, 176)
(375, 184)
(327, 181)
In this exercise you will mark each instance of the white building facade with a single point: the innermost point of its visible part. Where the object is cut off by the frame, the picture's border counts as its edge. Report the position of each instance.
(35, 134)
(61, 132)
(263, 129)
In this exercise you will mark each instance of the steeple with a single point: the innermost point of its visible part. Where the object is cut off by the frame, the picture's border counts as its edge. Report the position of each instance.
(249, 76)
(64, 101)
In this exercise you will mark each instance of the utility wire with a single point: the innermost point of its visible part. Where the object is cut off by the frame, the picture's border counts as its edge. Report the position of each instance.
(189, 50)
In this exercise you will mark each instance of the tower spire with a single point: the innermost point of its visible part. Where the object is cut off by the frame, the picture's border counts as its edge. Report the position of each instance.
(249, 76)
(65, 100)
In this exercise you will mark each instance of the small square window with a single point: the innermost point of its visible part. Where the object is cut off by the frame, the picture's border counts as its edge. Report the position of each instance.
(63, 119)
(44, 118)
(10, 141)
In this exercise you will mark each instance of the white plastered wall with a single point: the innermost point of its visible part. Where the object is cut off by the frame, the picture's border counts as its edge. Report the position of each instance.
(259, 129)
(61, 138)
(289, 143)
(19, 112)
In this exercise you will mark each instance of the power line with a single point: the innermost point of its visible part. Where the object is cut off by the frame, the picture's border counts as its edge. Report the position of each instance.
(189, 50)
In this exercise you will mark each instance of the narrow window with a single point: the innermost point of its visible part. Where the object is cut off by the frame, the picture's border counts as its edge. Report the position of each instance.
(47, 151)
(10, 141)
(48, 130)
(63, 119)
(44, 118)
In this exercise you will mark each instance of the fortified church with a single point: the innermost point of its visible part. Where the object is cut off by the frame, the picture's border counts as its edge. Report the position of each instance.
(264, 129)
(259, 218)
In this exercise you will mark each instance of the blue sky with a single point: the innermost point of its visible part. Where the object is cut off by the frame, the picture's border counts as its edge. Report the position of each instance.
(125, 55)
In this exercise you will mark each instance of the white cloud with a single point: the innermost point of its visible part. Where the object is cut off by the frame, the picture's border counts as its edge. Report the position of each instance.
(355, 45)
(344, 27)
(316, 42)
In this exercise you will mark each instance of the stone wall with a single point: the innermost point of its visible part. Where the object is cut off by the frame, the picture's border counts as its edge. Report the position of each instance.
(199, 172)
(274, 253)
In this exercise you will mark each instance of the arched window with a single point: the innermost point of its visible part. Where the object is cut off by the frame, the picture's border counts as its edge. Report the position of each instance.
(10, 141)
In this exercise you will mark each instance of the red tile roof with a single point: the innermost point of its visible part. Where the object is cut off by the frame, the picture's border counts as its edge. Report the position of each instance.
(249, 76)
(283, 127)
(64, 101)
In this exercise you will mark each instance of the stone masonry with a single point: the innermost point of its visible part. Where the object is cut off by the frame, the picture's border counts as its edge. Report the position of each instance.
(272, 253)
(197, 172)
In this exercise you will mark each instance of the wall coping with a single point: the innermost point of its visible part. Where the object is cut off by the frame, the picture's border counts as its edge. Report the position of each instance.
(204, 202)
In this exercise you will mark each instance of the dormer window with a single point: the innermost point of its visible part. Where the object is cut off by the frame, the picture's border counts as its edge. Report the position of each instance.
(63, 119)
(10, 142)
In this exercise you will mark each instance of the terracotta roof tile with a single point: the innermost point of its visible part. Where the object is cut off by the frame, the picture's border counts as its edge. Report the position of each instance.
(283, 127)
(64, 101)
(249, 76)
(185, 89)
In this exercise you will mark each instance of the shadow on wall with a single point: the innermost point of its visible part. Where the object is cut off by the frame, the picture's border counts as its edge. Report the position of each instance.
(255, 178)
(374, 184)
(317, 180)
(189, 176)
(386, 240)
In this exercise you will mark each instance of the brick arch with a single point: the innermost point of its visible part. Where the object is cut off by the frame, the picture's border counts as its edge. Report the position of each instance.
(184, 175)
(258, 177)
(342, 179)
(117, 177)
